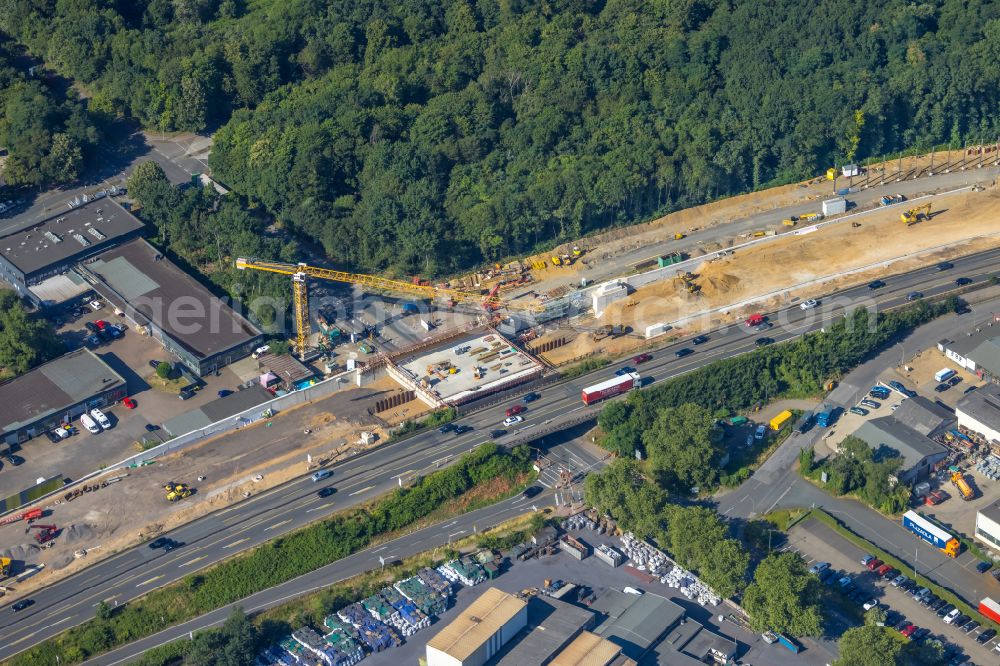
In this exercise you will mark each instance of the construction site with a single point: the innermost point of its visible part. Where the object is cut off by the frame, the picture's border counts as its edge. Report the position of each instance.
(469, 366)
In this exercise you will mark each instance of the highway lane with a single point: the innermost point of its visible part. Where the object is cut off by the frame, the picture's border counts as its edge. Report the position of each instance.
(288, 507)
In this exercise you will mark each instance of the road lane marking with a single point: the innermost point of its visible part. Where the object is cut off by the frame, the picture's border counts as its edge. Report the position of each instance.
(147, 582)
(106, 600)
(197, 559)
(21, 640)
(321, 506)
(65, 619)
(236, 543)
(358, 492)
(283, 522)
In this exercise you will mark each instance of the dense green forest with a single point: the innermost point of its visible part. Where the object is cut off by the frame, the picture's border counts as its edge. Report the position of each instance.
(25, 340)
(428, 136)
(49, 136)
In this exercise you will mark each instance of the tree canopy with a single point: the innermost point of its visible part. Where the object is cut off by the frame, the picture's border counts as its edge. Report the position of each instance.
(872, 645)
(25, 340)
(783, 597)
(428, 136)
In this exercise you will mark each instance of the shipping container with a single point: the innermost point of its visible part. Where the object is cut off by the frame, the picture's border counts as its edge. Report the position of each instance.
(789, 643)
(834, 206)
(990, 609)
(780, 420)
(611, 387)
(931, 533)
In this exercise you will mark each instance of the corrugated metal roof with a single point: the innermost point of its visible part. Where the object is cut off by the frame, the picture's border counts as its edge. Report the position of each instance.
(587, 649)
(470, 630)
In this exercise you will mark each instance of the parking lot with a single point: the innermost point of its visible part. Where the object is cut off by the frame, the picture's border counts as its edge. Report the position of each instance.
(84, 452)
(818, 543)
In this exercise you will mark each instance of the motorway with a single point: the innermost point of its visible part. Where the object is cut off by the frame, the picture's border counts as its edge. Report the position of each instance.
(222, 534)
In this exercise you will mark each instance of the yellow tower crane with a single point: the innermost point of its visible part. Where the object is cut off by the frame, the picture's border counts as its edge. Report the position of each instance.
(912, 216)
(301, 272)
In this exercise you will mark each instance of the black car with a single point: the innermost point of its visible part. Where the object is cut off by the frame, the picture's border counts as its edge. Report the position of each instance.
(462, 429)
(13, 460)
(960, 621)
(447, 427)
(92, 327)
(763, 342)
(902, 624)
(827, 575)
(325, 492)
(983, 567)
(941, 388)
(920, 634)
(170, 545)
(876, 284)
(21, 604)
(944, 265)
(699, 339)
(937, 605)
(497, 433)
(154, 364)
(969, 628)
(961, 282)
(955, 381)
(159, 543)
(152, 428)
(185, 395)
(914, 295)
(530, 397)
(986, 636)
(928, 600)
(532, 491)
(944, 610)
(681, 353)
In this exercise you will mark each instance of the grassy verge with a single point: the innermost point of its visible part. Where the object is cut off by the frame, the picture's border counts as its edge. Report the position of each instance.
(486, 475)
(432, 420)
(741, 466)
(888, 558)
(784, 519)
(276, 623)
(583, 367)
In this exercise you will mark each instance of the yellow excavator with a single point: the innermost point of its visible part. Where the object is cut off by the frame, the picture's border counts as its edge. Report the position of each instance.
(914, 215)
(176, 491)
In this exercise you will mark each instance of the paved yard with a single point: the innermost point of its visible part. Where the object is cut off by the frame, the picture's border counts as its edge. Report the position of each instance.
(817, 542)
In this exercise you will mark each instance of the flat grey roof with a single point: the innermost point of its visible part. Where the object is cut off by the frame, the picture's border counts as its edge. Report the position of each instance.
(552, 624)
(983, 405)
(54, 387)
(219, 409)
(987, 355)
(992, 512)
(72, 234)
(635, 623)
(140, 280)
(912, 445)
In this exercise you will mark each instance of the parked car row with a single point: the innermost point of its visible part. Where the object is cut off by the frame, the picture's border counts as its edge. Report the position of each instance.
(102, 332)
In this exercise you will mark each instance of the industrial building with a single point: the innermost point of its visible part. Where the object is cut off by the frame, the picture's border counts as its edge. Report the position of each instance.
(979, 411)
(978, 352)
(479, 633)
(57, 391)
(641, 624)
(165, 302)
(988, 525)
(910, 431)
(217, 410)
(552, 627)
(589, 649)
(31, 257)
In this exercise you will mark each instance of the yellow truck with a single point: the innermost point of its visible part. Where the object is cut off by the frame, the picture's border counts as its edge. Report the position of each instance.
(780, 420)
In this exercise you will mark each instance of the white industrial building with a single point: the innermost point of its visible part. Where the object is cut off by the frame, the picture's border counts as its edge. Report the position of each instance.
(988, 526)
(979, 411)
(478, 634)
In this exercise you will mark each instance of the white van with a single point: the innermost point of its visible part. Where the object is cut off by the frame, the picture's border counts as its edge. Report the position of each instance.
(99, 416)
(89, 423)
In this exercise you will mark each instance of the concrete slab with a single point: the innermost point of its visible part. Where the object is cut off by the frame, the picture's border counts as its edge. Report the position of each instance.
(449, 370)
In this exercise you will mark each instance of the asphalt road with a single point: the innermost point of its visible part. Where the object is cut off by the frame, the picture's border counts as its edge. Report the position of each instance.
(270, 514)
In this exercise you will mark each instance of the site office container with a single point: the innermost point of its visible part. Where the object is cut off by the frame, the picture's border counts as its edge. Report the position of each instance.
(781, 419)
(611, 387)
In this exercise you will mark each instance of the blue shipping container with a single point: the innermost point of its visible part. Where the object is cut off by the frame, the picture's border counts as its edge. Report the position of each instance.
(789, 643)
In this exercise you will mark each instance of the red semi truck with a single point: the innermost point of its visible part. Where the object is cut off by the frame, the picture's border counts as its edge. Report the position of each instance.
(611, 387)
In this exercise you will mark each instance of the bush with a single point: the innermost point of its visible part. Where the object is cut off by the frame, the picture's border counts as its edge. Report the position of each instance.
(163, 370)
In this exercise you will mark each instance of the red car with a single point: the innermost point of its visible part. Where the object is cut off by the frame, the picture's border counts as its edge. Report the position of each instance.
(641, 358)
(908, 630)
(101, 324)
(874, 564)
(514, 410)
(884, 569)
(129, 403)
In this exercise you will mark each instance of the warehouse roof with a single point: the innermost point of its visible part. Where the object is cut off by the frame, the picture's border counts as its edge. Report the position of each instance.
(910, 444)
(481, 620)
(140, 280)
(636, 623)
(983, 405)
(987, 355)
(552, 624)
(54, 387)
(992, 511)
(587, 649)
(920, 414)
(69, 236)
